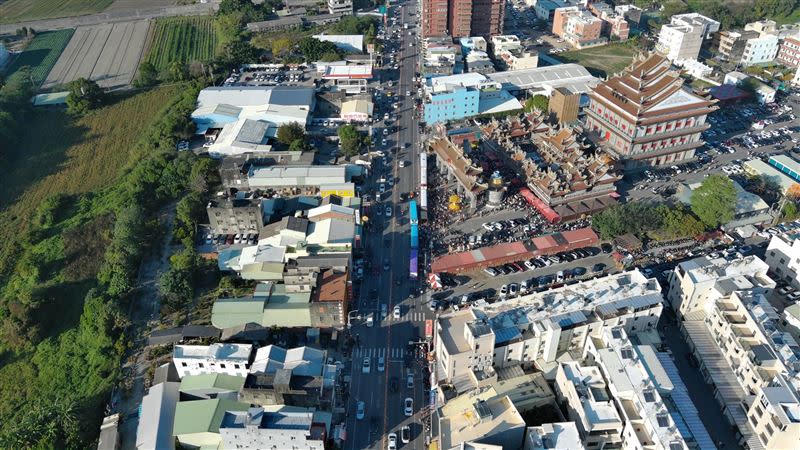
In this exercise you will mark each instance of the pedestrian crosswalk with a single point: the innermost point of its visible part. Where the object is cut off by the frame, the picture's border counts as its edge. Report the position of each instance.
(376, 352)
(408, 317)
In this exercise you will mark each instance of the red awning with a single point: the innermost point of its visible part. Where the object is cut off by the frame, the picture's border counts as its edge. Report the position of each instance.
(545, 210)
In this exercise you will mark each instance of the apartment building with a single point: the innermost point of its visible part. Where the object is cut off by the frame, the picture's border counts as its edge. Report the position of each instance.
(578, 26)
(229, 359)
(759, 50)
(464, 342)
(783, 258)
(509, 52)
(645, 117)
(789, 51)
(493, 422)
(588, 402)
(541, 327)
(340, 6)
(239, 212)
(753, 365)
(614, 23)
(462, 18)
(648, 422)
(731, 44)
(434, 18)
(257, 428)
(696, 283)
(775, 414)
(553, 436)
(684, 35)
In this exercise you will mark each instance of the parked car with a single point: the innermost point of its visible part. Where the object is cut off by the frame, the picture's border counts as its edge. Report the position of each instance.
(408, 407)
(365, 366)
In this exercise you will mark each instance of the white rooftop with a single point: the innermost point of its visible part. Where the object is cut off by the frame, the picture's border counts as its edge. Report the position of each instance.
(554, 436)
(705, 269)
(598, 408)
(563, 305)
(228, 352)
(571, 76)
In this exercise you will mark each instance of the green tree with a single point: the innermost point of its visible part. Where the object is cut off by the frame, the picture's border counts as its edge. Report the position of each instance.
(148, 75)
(714, 202)
(176, 71)
(84, 95)
(313, 49)
(351, 140)
(298, 145)
(290, 132)
(790, 211)
(539, 102)
(677, 222)
(637, 217)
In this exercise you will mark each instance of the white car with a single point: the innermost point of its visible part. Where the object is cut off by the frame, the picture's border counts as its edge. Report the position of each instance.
(365, 367)
(392, 441)
(410, 381)
(396, 312)
(408, 408)
(488, 226)
(360, 410)
(388, 211)
(529, 264)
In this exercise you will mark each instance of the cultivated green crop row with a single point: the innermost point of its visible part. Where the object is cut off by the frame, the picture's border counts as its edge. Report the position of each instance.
(41, 54)
(182, 39)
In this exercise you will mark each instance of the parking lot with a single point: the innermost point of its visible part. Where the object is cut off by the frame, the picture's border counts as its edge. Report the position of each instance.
(272, 75)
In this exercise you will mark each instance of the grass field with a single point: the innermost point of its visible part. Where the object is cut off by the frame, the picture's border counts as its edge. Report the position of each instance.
(182, 39)
(601, 61)
(42, 53)
(12, 11)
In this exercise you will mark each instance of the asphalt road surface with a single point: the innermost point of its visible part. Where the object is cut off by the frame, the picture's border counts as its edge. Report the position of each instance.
(389, 239)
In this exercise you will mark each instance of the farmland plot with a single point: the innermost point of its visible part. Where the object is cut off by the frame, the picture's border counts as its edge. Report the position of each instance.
(182, 39)
(12, 11)
(41, 54)
(108, 54)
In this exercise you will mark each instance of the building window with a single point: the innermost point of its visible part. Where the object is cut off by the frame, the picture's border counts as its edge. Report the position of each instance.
(235, 366)
(183, 364)
(221, 366)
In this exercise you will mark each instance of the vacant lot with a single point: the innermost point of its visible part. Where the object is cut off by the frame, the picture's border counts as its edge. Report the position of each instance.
(108, 54)
(182, 39)
(42, 53)
(602, 61)
(12, 11)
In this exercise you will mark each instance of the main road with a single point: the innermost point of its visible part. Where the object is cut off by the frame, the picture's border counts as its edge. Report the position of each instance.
(388, 247)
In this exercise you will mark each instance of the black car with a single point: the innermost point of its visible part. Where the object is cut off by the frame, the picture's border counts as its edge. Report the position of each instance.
(578, 271)
(606, 248)
(599, 267)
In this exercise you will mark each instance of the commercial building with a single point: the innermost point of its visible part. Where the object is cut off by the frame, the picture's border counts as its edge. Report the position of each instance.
(210, 385)
(340, 7)
(759, 50)
(351, 79)
(757, 167)
(539, 328)
(750, 209)
(359, 111)
(466, 95)
(257, 428)
(544, 80)
(514, 251)
(684, 35)
(645, 117)
(696, 283)
(578, 26)
(786, 165)
(240, 212)
(305, 179)
(783, 258)
(243, 136)
(230, 359)
(275, 105)
(789, 51)
(589, 405)
(554, 436)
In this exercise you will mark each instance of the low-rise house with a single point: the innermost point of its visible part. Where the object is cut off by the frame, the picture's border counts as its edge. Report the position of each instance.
(211, 385)
(238, 212)
(257, 428)
(197, 422)
(157, 417)
(230, 359)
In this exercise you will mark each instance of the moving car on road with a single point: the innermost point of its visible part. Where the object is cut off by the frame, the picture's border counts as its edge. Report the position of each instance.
(392, 441)
(365, 367)
(381, 364)
(408, 408)
(360, 408)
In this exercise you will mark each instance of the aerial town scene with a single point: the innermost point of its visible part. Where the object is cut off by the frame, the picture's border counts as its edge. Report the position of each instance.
(400, 224)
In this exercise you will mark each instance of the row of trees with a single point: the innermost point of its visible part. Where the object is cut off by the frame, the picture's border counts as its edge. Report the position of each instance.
(711, 205)
(15, 107)
(729, 14)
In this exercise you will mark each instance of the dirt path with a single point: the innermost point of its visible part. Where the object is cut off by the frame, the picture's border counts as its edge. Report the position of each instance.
(144, 313)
